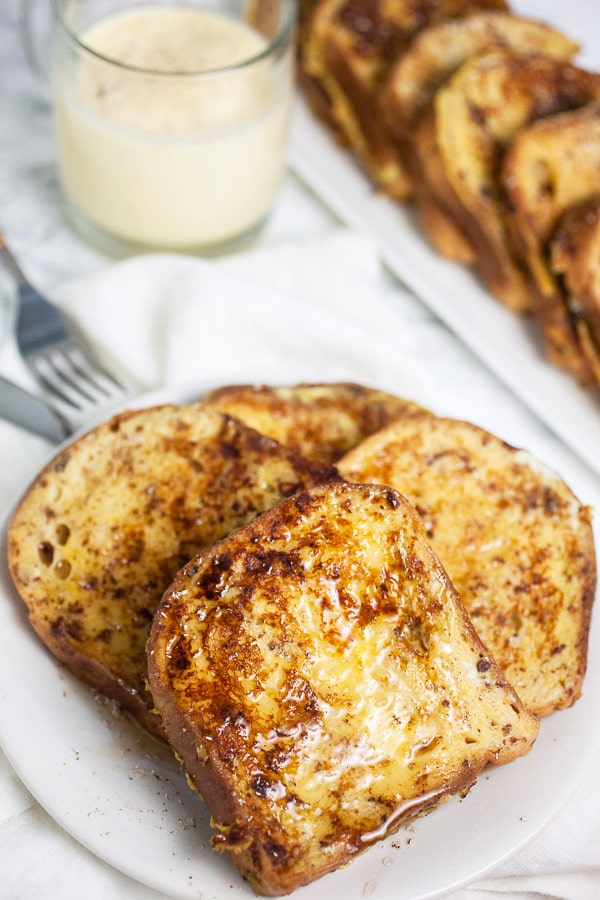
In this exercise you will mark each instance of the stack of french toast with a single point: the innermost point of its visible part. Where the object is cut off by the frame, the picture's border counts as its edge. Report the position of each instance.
(337, 607)
(482, 121)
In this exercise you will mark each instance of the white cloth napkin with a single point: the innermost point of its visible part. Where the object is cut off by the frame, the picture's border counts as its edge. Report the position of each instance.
(312, 310)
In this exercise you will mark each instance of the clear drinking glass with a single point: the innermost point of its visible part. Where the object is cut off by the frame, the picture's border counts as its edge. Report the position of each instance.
(171, 121)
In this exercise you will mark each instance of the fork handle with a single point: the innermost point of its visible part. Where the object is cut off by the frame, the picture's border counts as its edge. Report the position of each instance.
(10, 262)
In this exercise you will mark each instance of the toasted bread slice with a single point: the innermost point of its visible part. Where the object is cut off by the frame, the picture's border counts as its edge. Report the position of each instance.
(515, 541)
(359, 695)
(463, 136)
(338, 93)
(574, 258)
(443, 233)
(551, 166)
(311, 88)
(440, 49)
(442, 230)
(432, 57)
(348, 49)
(102, 531)
(590, 350)
(319, 420)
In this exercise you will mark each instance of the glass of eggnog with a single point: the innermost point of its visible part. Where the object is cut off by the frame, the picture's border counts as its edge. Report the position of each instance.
(171, 119)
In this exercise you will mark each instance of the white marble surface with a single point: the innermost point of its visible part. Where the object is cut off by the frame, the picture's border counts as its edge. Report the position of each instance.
(32, 221)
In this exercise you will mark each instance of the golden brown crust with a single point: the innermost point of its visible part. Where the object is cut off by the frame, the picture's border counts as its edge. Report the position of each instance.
(574, 257)
(463, 136)
(318, 675)
(438, 224)
(551, 166)
(105, 526)
(515, 541)
(319, 420)
(442, 47)
(428, 62)
(311, 88)
(442, 232)
(574, 260)
(348, 49)
(429, 97)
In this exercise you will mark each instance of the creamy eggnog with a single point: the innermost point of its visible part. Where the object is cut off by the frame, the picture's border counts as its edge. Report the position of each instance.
(167, 136)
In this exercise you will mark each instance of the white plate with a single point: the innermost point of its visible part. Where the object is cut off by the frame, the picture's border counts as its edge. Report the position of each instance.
(120, 794)
(510, 347)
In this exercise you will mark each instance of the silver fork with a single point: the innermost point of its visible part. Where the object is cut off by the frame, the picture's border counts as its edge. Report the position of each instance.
(71, 379)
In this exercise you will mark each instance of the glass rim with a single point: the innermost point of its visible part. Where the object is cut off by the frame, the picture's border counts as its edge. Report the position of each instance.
(280, 40)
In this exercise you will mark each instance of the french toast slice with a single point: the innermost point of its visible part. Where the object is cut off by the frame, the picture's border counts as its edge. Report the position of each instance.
(317, 97)
(461, 140)
(574, 258)
(443, 47)
(318, 420)
(432, 57)
(101, 532)
(443, 233)
(348, 49)
(515, 541)
(322, 683)
(551, 166)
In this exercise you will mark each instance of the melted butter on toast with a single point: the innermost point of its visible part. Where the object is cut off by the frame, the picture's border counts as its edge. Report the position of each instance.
(106, 525)
(516, 542)
(319, 677)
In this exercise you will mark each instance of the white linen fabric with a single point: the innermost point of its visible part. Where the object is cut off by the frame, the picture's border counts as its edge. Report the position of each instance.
(311, 310)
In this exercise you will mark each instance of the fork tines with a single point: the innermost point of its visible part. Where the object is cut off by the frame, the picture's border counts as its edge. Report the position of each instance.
(66, 372)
